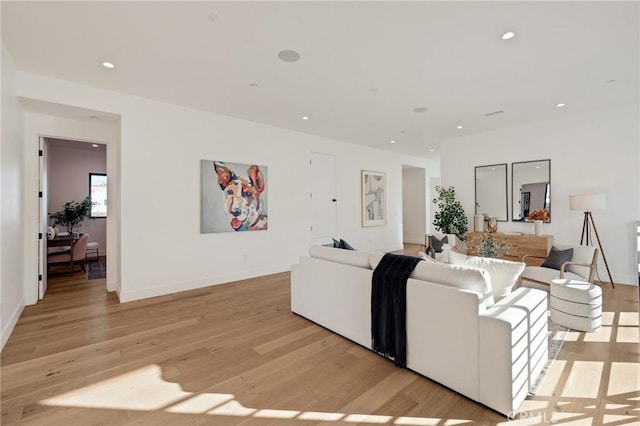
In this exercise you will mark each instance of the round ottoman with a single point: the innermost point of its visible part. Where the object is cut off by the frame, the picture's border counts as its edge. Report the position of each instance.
(576, 304)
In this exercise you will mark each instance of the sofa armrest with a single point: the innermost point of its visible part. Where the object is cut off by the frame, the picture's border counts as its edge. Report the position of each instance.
(532, 256)
(513, 348)
(503, 358)
(565, 264)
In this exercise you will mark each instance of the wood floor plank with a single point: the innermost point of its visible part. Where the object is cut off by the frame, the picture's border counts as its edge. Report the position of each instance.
(234, 354)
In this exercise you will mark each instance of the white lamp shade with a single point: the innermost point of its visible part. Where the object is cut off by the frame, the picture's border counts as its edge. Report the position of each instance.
(587, 203)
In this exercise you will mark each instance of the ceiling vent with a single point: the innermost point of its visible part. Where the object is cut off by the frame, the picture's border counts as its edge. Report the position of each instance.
(489, 114)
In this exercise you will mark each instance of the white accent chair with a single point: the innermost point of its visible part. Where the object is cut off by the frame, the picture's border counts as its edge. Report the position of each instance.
(582, 266)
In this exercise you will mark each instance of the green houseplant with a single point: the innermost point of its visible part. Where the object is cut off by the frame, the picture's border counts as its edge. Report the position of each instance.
(72, 213)
(450, 217)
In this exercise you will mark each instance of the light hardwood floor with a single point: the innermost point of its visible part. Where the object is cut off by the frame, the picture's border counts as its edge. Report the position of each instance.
(235, 354)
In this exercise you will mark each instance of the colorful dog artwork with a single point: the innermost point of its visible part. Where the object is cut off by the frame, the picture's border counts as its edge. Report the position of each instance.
(234, 197)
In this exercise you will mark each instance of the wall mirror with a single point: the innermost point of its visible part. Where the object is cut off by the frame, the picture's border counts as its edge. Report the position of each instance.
(531, 186)
(491, 191)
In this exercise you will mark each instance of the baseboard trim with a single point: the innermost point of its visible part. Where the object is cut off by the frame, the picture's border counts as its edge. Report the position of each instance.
(7, 329)
(162, 290)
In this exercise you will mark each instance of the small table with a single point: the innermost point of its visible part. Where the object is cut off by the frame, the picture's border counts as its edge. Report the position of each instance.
(65, 240)
(576, 304)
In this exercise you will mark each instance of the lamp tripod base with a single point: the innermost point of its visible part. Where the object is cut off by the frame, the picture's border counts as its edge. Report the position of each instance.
(587, 240)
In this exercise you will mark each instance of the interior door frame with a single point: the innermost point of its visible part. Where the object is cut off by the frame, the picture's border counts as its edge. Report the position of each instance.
(43, 216)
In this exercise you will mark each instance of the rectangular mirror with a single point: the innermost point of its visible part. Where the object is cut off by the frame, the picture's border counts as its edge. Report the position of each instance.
(491, 191)
(531, 187)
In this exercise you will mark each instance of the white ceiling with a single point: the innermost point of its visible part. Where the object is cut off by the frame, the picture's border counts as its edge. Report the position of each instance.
(364, 67)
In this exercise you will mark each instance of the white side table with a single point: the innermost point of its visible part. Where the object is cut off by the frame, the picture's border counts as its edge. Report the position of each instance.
(576, 304)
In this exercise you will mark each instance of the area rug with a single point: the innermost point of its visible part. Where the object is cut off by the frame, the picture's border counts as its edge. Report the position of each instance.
(555, 337)
(97, 269)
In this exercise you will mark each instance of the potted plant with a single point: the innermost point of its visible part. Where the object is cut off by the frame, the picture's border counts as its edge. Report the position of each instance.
(72, 214)
(450, 217)
(488, 246)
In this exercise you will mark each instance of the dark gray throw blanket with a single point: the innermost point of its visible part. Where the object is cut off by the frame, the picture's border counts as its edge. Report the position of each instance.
(389, 306)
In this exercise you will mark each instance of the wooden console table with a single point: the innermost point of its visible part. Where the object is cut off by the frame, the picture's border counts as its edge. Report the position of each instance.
(520, 245)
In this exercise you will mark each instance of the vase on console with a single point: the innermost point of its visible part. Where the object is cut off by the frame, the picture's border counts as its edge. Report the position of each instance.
(492, 224)
(538, 227)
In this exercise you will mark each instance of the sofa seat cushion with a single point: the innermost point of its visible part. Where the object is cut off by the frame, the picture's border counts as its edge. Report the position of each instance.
(346, 257)
(546, 275)
(504, 273)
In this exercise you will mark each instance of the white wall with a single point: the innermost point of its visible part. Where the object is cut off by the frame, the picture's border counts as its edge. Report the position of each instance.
(593, 152)
(12, 188)
(414, 205)
(162, 250)
(68, 180)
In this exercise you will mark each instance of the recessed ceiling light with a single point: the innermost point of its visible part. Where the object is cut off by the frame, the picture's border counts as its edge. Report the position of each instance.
(508, 35)
(289, 55)
(392, 141)
(108, 65)
(560, 105)
(421, 109)
(537, 167)
(305, 118)
(493, 169)
(432, 150)
(460, 126)
(95, 145)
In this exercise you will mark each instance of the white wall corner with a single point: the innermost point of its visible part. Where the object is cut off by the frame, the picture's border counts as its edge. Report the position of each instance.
(7, 328)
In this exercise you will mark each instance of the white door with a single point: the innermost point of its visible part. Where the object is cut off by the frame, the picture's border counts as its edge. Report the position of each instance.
(43, 219)
(324, 204)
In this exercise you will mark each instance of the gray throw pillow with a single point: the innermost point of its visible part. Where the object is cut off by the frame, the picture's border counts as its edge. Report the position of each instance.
(437, 244)
(556, 258)
(342, 244)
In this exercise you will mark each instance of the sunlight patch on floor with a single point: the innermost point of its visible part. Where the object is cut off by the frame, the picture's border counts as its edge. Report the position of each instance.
(550, 382)
(607, 318)
(584, 379)
(602, 335)
(624, 379)
(144, 389)
(628, 335)
(630, 319)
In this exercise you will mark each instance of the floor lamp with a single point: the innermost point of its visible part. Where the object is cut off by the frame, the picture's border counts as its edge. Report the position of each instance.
(587, 203)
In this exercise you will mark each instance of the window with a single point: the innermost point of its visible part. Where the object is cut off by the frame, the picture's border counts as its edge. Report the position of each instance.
(98, 192)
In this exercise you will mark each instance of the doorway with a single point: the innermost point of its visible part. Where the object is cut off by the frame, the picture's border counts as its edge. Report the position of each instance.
(71, 171)
(415, 210)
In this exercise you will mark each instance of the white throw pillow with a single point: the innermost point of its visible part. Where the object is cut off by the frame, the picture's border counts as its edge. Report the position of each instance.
(459, 276)
(504, 273)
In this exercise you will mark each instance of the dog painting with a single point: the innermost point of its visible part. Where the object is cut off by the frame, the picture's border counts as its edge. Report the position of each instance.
(234, 197)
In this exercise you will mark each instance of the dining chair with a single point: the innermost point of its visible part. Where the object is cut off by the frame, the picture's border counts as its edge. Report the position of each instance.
(77, 254)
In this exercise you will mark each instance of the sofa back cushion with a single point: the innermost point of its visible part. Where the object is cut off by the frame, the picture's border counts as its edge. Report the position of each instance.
(504, 273)
(346, 257)
(460, 276)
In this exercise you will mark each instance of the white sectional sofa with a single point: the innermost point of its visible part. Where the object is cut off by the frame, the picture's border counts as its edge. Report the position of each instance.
(456, 334)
